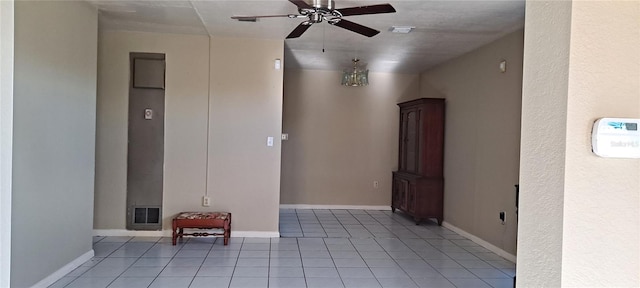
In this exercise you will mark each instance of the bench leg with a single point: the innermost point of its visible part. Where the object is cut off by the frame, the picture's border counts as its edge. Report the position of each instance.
(227, 230)
(175, 233)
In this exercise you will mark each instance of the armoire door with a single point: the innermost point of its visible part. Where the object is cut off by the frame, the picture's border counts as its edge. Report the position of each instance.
(410, 142)
(404, 192)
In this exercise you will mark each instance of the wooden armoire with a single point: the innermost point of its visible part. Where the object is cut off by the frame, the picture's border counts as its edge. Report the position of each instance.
(418, 184)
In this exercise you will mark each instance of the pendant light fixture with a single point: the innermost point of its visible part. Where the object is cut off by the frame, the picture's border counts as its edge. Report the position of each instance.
(355, 77)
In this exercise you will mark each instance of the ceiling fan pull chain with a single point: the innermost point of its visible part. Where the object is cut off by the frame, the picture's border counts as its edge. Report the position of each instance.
(323, 29)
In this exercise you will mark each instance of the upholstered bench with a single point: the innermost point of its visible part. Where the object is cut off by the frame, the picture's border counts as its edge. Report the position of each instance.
(202, 220)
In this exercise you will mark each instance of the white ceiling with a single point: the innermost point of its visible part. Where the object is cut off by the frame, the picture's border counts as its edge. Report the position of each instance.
(443, 29)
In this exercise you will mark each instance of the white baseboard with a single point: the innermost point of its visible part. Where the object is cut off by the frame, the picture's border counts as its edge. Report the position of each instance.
(337, 207)
(256, 234)
(480, 242)
(131, 233)
(168, 233)
(55, 276)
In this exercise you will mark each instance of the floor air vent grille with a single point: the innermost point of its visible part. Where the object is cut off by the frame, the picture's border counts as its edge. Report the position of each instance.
(146, 218)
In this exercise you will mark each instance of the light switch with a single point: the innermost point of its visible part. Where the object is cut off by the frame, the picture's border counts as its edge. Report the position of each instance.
(270, 141)
(503, 66)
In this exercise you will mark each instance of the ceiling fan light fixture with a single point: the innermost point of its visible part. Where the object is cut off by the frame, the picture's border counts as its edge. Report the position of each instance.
(401, 29)
(355, 77)
(317, 11)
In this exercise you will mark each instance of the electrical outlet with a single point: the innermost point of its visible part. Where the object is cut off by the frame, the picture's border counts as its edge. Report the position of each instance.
(206, 201)
(503, 217)
(376, 184)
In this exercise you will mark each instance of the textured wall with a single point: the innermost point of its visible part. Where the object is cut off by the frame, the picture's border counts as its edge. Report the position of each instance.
(482, 138)
(601, 240)
(54, 137)
(544, 113)
(579, 215)
(341, 139)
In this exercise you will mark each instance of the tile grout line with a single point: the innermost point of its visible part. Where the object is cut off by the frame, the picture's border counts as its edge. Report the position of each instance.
(390, 232)
(201, 264)
(327, 247)
(358, 251)
(125, 270)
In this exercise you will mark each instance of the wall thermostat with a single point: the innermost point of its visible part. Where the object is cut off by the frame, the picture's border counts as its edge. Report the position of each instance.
(616, 138)
(148, 114)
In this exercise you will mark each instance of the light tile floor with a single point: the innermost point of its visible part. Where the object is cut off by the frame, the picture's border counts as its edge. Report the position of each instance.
(318, 248)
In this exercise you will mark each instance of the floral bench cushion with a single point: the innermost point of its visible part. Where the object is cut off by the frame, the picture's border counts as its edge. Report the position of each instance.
(203, 215)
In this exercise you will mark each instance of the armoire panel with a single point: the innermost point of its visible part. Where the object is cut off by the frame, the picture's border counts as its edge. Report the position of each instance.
(418, 185)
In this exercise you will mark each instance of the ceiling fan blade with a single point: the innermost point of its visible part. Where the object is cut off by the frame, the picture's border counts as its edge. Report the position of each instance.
(254, 18)
(355, 27)
(371, 9)
(299, 30)
(301, 4)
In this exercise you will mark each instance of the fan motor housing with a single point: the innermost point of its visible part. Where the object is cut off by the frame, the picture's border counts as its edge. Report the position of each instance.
(322, 10)
(326, 4)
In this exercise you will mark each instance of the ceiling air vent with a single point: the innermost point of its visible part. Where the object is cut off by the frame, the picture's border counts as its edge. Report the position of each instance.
(401, 29)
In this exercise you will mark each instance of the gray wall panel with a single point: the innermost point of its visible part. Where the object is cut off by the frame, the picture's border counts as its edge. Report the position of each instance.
(146, 138)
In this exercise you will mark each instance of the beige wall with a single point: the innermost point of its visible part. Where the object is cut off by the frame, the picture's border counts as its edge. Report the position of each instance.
(185, 122)
(54, 137)
(245, 107)
(482, 133)
(341, 139)
(591, 205)
(544, 114)
(604, 80)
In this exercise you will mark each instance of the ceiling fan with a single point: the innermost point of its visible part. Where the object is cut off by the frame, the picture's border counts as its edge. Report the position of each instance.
(322, 10)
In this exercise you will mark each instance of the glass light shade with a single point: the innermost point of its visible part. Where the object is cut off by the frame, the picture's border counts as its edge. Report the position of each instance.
(356, 77)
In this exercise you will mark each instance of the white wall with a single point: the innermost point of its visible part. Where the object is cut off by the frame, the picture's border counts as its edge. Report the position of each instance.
(341, 139)
(245, 106)
(6, 136)
(580, 214)
(482, 133)
(54, 137)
